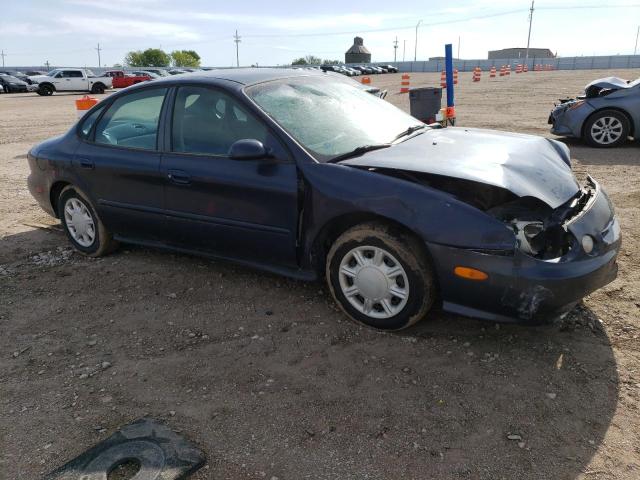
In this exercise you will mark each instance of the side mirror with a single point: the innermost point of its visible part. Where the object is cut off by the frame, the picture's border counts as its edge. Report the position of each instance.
(248, 149)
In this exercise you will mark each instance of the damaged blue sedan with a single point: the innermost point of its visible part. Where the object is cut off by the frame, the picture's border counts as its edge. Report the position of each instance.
(305, 174)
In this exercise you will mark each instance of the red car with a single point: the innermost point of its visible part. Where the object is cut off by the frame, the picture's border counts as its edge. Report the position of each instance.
(122, 80)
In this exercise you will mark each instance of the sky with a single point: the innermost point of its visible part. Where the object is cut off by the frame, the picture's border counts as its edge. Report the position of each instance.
(274, 32)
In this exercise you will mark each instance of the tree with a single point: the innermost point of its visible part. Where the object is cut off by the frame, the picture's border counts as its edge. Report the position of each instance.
(185, 58)
(332, 62)
(308, 60)
(151, 57)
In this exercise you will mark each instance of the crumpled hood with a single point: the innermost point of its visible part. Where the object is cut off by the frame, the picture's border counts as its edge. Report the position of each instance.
(609, 82)
(526, 165)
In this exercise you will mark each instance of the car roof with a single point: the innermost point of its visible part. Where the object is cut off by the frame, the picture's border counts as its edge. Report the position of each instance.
(243, 76)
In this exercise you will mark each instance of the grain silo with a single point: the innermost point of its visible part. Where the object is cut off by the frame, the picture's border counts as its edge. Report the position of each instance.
(358, 53)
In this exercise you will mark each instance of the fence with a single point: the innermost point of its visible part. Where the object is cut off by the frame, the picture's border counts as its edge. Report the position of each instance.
(564, 63)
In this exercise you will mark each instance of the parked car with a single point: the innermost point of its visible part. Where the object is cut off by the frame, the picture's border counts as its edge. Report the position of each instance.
(120, 79)
(158, 71)
(153, 75)
(307, 175)
(391, 68)
(19, 75)
(31, 73)
(11, 84)
(71, 80)
(606, 115)
(177, 71)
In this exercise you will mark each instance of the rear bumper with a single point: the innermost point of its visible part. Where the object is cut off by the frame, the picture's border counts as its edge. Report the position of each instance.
(524, 289)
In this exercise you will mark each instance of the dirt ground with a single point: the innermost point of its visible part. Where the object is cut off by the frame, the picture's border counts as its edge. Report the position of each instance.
(272, 381)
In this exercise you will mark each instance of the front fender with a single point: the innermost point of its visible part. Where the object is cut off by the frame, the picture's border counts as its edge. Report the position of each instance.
(335, 190)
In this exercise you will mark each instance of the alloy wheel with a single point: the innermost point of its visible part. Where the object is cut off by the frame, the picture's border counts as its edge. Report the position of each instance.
(606, 130)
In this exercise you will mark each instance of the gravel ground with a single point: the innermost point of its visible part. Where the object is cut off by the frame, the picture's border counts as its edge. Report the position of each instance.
(270, 379)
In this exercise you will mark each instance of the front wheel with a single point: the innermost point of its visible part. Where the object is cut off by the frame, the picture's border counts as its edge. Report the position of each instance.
(608, 128)
(84, 229)
(380, 277)
(45, 90)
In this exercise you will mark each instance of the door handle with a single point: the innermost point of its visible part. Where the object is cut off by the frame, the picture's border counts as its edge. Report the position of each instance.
(179, 177)
(87, 164)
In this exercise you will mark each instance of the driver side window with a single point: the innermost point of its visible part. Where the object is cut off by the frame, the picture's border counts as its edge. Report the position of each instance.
(132, 120)
(208, 121)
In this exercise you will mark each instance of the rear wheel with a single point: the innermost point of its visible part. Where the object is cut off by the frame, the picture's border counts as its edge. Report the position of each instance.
(380, 277)
(608, 128)
(84, 229)
(97, 88)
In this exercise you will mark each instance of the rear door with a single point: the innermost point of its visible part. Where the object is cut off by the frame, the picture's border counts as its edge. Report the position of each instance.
(119, 164)
(245, 209)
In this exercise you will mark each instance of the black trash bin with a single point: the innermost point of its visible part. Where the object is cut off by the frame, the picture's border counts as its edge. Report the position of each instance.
(425, 103)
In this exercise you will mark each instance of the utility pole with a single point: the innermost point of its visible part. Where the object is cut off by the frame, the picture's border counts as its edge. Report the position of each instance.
(458, 47)
(395, 49)
(526, 55)
(46, 64)
(415, 52)
(635, 49)
(404, 49)
(98, 50)
(236, 39)
(4, 55)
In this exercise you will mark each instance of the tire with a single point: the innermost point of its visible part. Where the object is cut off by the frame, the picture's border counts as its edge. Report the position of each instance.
(45, 90)
(97, 240)
(97, 88)
(376, 292)
(607, 129)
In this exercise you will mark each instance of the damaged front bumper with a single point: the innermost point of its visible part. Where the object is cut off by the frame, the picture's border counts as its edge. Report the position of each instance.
(566, 119)
(521, 288)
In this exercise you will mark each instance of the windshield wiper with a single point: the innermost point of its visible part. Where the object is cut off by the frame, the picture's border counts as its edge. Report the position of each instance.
(409, 131)
(358, 151)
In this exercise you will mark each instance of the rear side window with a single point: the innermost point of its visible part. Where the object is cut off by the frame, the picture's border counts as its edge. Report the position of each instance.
(89, 122)
(132, 120)
(72, 74)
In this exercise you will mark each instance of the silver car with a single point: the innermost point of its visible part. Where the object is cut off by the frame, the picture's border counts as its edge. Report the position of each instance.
(605, 116)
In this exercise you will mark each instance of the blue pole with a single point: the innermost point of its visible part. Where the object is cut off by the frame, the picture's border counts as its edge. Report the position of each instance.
(448, 55)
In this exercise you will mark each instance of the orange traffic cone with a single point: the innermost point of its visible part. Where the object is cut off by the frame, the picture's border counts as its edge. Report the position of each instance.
(443, 79)
(477, 72)
(492, 72)
(519, 68)
(503, 71)
(455, 76)
(404, 84)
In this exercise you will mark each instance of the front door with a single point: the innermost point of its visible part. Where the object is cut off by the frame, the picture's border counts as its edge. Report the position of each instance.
(119, 165)
(245, 209)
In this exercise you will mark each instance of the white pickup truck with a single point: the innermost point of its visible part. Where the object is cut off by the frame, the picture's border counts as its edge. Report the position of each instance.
(70, 80)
